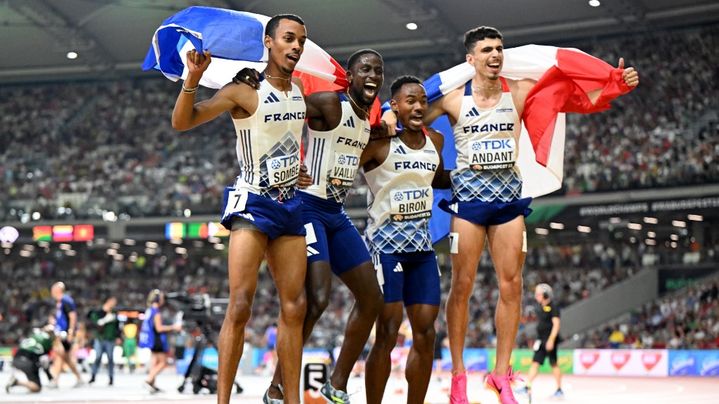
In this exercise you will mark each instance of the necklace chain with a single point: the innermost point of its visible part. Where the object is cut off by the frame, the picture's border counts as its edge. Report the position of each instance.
(277, 77)
(357, 105)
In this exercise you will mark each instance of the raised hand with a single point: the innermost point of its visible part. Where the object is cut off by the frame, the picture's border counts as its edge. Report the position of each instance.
(197, 62)
(249, 76)
(630, 75)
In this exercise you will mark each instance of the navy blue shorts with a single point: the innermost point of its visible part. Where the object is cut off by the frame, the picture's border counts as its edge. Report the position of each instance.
(487, 213)
(271, 217)
(331, 236)
(409, 277)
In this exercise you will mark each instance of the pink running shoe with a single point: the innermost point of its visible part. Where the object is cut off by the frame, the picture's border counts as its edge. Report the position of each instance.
(458, 393)
(502, 386)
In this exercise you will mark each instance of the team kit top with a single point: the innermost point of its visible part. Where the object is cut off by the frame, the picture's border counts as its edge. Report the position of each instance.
(268, 143)
(487, 145)
(333, 156)
(399, 202)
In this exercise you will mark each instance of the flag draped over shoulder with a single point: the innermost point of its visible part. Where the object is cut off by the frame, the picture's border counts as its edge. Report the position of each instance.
(235, 41)
(564, 77)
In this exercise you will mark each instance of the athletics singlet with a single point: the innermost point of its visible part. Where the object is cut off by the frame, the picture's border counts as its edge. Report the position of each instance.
(486, 141)
(333, 156)
(400, 199)
(268, 143)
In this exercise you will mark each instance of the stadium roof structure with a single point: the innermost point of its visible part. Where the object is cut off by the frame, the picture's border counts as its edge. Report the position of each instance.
(111, 37)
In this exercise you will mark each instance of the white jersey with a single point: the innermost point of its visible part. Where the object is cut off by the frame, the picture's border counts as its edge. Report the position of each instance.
(268, 143)
(486, 141)
(399, 201)
(333, 156)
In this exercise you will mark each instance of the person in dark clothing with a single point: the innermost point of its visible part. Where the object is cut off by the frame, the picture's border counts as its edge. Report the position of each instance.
(30, 357)
(108, 332)
(547, 337)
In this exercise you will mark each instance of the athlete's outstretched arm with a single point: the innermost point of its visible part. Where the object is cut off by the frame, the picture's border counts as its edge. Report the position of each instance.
(188, 114)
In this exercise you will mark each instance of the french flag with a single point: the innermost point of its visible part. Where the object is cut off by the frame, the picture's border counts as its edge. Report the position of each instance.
(235, 40)
(564, 77)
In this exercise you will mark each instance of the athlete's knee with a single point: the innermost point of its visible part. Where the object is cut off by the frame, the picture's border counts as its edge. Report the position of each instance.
(385, 339)
(462, 286)
(510, 287)
(423, 339)
(239, 309)
(371, 303)
(317, 302)
(293, 310)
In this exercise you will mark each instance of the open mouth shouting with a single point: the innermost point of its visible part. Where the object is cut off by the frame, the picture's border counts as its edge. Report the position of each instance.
(370, 90)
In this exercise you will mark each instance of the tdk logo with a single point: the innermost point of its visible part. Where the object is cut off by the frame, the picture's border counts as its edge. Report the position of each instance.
(493, 144)
(488, 127)
(348, 160)
(412, 194)
(287, 116)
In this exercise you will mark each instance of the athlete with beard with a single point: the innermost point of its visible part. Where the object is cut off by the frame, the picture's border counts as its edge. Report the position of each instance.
(338, 131)
(261, 209)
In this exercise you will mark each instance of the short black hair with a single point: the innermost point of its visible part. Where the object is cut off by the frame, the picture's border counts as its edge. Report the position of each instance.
(475, 35)
(272, 24)
(402, 80)
(355, 56)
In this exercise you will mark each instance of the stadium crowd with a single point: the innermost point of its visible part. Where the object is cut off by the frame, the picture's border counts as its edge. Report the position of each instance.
(576, 272)
(109, 148)
(688, 319)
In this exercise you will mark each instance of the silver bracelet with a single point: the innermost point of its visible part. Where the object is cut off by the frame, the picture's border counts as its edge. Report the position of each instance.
(189, 90)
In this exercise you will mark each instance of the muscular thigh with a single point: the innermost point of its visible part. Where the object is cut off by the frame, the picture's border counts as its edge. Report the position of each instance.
(287, 258)
(247, 249)
(508, 245)
(466, 245)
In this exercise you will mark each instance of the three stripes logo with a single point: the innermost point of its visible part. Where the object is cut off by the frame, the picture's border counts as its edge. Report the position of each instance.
(400, 150)
(472, 112)
(350, 123)
(272, 98)
(398, 268)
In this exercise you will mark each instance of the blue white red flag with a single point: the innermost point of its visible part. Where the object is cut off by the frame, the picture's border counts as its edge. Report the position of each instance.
(564, 77)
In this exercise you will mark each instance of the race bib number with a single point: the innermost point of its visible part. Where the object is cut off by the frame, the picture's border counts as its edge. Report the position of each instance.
(283, 170)
(410, 204)
(492, 154)
(236, 201)
(343, 170)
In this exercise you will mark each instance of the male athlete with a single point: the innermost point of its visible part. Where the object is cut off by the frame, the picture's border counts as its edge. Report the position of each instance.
(261, 209)
(338, 131)
(65, 329)
(400, 172)
(486, 204)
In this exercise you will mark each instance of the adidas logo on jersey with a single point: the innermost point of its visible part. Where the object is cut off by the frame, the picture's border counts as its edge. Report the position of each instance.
(472, 112)
(312, 251)
(400, 150)
(272, 98)
(398, 268)
(350, 123)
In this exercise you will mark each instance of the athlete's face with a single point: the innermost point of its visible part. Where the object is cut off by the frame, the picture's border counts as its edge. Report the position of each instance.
(410, 104)
(56, 292)
(287, 45)
(366, 77)
(538, 295)
(487, 57)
